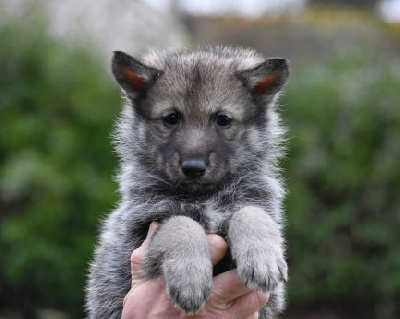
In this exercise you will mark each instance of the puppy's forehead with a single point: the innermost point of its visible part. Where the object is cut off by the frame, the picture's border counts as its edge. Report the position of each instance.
(200, 84)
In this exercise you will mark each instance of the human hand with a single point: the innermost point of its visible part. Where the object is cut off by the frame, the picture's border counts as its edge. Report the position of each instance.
(230, 298)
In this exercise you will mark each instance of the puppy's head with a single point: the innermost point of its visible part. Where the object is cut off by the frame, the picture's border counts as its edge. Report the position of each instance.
(199, 117)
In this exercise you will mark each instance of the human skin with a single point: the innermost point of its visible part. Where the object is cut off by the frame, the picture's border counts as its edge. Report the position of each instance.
(230, 298)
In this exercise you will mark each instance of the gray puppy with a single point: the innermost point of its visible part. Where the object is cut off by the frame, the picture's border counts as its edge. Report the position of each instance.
(199, 141)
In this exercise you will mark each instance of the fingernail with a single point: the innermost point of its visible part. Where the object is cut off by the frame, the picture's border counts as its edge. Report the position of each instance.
(152, 229)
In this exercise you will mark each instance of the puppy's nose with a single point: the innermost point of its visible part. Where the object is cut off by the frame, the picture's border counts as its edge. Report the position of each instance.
(193, 168)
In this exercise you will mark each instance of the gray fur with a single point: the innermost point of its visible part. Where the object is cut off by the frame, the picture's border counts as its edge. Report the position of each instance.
(239, 197)
(179, 251)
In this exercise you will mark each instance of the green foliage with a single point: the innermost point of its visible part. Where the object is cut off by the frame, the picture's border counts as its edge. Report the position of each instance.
(343, 173)
(56, 109)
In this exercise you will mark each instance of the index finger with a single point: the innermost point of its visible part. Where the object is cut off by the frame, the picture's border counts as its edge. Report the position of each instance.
(218, 248)
(227, 287)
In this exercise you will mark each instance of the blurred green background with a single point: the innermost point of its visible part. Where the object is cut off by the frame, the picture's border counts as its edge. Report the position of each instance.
(58, 104)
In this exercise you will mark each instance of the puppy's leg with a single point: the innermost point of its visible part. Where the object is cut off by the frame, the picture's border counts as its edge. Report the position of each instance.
(257, 247)
(179, 251)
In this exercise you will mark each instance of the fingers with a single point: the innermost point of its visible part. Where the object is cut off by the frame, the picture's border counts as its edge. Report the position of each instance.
(137, 257)
(248, 304)
(231, 295)
(218, 248)
(227, 287)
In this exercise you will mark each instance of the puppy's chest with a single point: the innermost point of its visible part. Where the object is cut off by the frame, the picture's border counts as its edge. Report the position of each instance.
(209, 214)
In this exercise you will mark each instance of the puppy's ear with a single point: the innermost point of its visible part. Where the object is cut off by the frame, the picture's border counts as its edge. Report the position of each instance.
(267, 78)
(133, 76)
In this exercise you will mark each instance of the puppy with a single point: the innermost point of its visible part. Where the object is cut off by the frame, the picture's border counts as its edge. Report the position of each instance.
(199, 141)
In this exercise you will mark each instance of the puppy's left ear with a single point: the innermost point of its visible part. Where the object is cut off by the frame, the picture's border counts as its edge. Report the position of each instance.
(134, 77)
(267, 78)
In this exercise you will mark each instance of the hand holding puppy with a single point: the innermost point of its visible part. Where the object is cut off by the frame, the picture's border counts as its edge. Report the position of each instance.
(230, 298)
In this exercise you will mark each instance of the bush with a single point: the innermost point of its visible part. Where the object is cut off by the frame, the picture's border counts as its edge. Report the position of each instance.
(57, 106)
(343, 174)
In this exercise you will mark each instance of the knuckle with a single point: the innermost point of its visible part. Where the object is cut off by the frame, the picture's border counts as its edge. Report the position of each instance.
(216, 303)
(218, 242)
(137, 257)
(260, 298)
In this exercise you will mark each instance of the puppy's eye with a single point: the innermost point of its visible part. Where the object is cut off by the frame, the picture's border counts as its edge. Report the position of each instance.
(172, 119)
(223, 120)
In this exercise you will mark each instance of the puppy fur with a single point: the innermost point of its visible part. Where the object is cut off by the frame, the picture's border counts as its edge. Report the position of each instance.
(216, 106)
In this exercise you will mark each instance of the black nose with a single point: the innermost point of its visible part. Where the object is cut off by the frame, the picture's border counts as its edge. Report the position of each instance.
(193, 168)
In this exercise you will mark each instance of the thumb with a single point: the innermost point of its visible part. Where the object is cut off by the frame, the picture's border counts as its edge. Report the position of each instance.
(137, 257)
(137, 260)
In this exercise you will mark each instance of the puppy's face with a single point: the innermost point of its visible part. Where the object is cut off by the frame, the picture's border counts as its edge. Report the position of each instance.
(199, 120)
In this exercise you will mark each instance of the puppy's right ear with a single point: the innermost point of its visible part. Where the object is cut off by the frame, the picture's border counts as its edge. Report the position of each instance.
(134, 77)
(266, 79)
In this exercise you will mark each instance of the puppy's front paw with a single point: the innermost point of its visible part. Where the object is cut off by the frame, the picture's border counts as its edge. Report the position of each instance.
(262, 269)
(189, 283)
